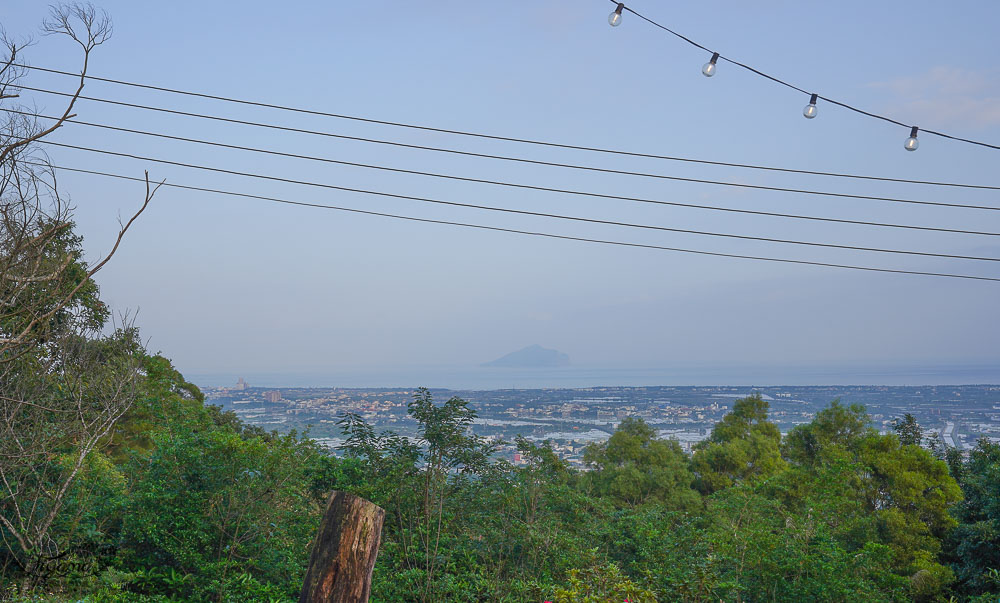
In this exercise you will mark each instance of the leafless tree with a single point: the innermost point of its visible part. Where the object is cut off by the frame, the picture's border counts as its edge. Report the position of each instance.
(34, 215)
(64, 382)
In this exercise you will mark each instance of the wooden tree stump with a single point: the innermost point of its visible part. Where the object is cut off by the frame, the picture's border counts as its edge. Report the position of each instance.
(344, 551)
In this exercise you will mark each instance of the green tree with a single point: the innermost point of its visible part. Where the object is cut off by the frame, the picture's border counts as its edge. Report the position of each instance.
(836, 427)
(165, 400)
(974, 545)
(872, 489)
(419, 482)
(224, 513)
(600, 583)
(908, 430)
(636, 467)
(747, 546)
(58, 408)
(743, 446)
(767, 552)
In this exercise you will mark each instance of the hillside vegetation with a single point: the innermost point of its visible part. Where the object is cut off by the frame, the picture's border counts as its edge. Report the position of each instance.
(117, 482)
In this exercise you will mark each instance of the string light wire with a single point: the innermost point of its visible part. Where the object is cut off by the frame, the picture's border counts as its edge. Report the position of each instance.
(718, 56)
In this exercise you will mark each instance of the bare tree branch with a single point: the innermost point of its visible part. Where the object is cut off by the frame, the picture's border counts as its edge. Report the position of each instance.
(64, 381)
(8, 341)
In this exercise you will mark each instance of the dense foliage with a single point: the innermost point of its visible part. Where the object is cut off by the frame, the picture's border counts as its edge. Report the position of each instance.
(184, 502)
(117, 482)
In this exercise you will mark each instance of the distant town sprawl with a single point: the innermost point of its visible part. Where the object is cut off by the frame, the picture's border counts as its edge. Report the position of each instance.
(573, 418)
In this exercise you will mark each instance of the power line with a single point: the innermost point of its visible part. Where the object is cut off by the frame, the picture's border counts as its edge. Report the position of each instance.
(512, 184)
(482, 135)
(529, 233)
(531, 161)
(517, 211)
(716, 56)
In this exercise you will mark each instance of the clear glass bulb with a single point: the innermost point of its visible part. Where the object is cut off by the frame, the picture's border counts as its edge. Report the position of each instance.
(615, 19)
(911, 143)
(709, 69)
(810, 111)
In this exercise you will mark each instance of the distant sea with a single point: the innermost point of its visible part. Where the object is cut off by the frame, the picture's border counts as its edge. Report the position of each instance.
(483, 378)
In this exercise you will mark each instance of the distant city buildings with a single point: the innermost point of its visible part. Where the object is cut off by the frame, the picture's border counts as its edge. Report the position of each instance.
(572, 419)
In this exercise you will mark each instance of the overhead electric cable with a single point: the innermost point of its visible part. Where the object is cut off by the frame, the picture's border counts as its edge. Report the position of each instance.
(515, 211)
(516, 185)
(531, 233)
(480, 134)
(547, 163)
(717, 56)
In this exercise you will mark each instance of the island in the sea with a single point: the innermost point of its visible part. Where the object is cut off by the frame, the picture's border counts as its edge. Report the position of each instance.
(533, 356)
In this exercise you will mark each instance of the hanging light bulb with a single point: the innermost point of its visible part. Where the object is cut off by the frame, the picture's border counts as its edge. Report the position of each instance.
(709, 68)
(810, 110)
(615, 18)
(912, 143)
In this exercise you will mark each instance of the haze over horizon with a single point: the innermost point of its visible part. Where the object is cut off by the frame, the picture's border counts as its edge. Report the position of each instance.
(237, 287)
(477, 377)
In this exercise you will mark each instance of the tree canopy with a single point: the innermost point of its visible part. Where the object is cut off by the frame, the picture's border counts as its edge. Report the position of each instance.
(743, 446)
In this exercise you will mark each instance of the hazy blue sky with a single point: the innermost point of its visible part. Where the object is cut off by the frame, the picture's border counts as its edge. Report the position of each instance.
(241, 287)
